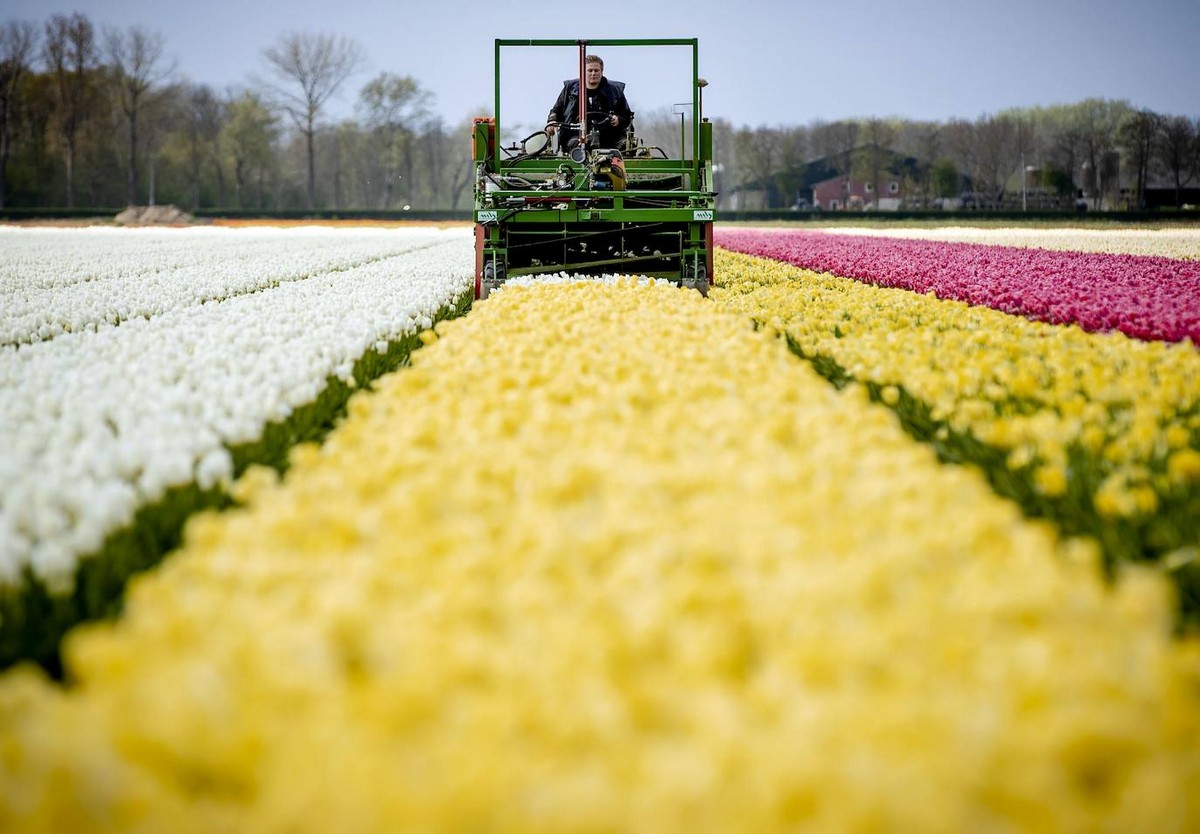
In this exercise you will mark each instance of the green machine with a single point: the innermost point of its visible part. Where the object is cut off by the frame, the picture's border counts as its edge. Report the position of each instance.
(565, 204)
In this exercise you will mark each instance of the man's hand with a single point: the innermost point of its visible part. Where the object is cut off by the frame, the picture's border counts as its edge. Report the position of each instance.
(551, 128)
(612, 120)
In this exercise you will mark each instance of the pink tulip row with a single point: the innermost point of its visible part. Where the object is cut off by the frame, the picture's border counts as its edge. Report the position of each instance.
(1142, 296)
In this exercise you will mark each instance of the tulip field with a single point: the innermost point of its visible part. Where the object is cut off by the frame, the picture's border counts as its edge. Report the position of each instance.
(138, 368)
(1076, 420)
(894, 531)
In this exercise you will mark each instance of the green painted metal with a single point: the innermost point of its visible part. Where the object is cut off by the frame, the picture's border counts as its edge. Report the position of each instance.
(541, 213)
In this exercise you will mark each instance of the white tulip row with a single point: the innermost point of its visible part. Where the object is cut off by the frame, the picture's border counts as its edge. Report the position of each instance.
(95, 424)
(1182, 243)
(59, 281)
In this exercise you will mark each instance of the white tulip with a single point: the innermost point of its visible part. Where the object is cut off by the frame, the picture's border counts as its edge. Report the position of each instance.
(215, 466)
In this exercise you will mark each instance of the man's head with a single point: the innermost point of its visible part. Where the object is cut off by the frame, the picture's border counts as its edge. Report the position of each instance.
(593, 71)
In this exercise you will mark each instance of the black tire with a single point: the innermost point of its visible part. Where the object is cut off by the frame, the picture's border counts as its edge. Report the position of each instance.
(493, 276)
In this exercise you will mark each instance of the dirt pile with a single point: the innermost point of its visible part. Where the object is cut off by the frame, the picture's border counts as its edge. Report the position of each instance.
(153, 216)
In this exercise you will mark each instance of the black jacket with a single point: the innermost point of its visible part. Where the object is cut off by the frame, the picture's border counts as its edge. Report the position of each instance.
(609, 97)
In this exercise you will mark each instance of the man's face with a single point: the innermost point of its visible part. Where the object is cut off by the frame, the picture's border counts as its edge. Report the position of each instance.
(592, 73)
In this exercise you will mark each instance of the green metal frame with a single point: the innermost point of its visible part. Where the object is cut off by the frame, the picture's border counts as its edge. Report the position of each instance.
(544, 214)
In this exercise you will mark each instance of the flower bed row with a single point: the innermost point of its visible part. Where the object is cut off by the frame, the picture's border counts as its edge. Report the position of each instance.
(59, 281)
(112, 437)
(1141, 296)
(1183, 244)
(1099, 432)
(605, 558)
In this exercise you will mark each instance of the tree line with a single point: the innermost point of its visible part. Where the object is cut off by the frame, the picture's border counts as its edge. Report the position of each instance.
(1105, 153)
(100, 119)
(93, 118)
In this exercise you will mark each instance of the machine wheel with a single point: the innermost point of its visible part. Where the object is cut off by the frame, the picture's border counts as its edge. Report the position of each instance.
(493, 276)
(695, 276)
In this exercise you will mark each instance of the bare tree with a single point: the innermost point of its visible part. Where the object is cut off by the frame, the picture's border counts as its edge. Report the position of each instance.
(758, 149)
(71, 54)
(836, 141)
(725, 160)
(394, 108)
(1026, 138)
(793, 153)
(659, 128)
(452, 170)
(318, 64)
(1138, 135)
(962, 146)
(17, 41)
(997, 141)
(1178, 151)
(1065, 149)
(137, 62)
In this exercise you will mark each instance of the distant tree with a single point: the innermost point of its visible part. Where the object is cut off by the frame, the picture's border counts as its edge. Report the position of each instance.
(452, 169)
(923, 141)
(997, 154)
(1138, 135)
(1026, 146)
(758, 149)
(793, 154)
(395, 109)
(1058, 181)
(1179, 152)
(658, 127)
(71, 54)
(944, 176)
(878, 137)
(836, 142)
(961, 143)
(247, 139)
(344, 150)
(33, 174)
(318, 64)
(725, 160)
(1064, 149)
(202, 117)
(102, 179)
(163, 132)
(18, 40)
(138, 64)
(1098, 120)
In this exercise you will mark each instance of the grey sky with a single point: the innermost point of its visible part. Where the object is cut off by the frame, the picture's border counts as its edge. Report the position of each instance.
(768, 62)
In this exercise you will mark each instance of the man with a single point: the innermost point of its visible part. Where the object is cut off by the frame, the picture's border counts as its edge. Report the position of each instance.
(605, 101)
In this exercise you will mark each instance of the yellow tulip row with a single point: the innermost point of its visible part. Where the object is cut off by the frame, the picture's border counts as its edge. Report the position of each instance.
(1064, 405)
(607, 558)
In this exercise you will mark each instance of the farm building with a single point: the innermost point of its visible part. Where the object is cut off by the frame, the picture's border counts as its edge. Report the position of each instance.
(844, 193)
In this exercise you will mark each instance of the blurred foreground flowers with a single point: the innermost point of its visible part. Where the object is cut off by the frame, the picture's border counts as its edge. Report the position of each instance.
(608, 559)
